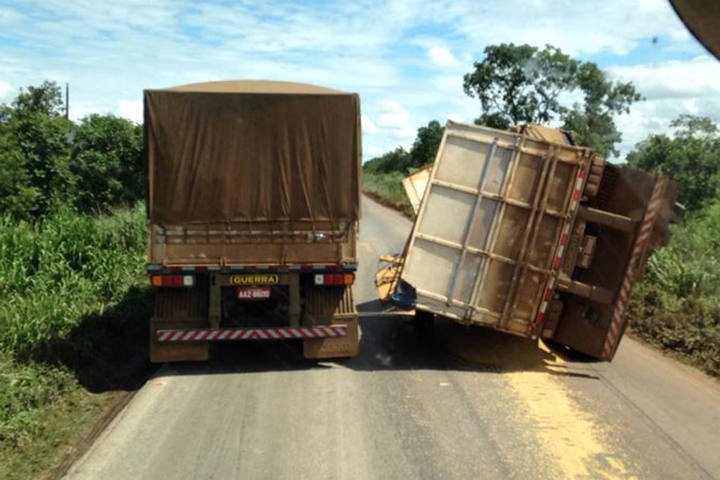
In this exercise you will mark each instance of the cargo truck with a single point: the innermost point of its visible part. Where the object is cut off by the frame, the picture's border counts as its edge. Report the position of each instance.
(523, 232)
(253, 209)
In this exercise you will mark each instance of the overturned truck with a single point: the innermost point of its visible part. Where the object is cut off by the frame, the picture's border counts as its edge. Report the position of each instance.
(253, 205)
(524, 232)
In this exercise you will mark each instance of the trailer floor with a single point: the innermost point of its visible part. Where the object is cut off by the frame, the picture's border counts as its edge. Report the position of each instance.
(468, 403)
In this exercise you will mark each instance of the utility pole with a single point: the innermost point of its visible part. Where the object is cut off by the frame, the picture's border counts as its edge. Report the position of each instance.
(67, 101)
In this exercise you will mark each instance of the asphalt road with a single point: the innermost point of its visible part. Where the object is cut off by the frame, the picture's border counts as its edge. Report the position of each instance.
(466, 403)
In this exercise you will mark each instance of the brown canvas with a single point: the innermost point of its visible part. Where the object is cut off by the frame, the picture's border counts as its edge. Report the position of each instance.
(252, 151)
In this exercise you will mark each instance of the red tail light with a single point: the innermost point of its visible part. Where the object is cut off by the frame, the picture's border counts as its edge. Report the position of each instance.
(333, 279)
(173, 281)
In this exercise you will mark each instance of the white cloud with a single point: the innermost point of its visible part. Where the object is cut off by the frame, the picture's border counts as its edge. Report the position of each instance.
(373, 150)
(578, 28)
(367, 124)
(454, 117)
(393, 115)
(397, 121)
(671, 89)
(411, 51)
(674, 79)
(130, 109)
(5, 91)
(441, 56)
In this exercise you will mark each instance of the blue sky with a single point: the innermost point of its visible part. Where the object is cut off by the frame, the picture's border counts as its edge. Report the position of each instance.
(405, 58)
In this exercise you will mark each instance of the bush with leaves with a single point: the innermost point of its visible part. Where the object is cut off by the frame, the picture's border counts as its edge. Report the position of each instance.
(107, 162)
(677, 304)
(47, 161)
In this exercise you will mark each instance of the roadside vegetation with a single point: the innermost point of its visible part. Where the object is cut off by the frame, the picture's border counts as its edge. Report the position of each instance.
(73, 303)
(382, 176)
(676, 307)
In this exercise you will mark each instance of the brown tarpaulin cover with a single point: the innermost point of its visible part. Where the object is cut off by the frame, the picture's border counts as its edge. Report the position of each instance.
(252, 151)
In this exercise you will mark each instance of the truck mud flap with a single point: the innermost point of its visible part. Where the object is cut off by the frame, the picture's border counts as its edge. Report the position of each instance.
(331, 307)
(179, 309)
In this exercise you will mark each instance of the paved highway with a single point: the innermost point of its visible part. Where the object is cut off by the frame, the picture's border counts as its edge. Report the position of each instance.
(468, 403)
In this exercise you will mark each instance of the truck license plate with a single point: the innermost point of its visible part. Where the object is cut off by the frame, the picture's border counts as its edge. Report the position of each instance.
(253, 293)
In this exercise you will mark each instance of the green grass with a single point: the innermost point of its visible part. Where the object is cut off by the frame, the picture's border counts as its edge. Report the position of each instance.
(677, 305)
(387, 189)
(73, 318)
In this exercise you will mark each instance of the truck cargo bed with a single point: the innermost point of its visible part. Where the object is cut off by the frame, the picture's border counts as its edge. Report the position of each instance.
(523, 234)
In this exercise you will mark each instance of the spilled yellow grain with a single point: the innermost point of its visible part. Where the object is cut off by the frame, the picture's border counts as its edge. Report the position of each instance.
(569, 434)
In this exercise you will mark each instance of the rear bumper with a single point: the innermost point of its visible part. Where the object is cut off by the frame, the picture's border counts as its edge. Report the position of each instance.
(175, 335)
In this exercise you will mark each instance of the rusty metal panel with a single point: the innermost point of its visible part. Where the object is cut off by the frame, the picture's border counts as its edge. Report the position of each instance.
(415, 185)
(492, 223)
(331, 306)
(242, 243)
(594, 322)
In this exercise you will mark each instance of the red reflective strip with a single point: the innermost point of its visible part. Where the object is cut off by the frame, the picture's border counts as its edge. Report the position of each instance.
(564, 239)
(556, 265)
(306, 267)
(576, 195)
(581, 174)
(540, 317)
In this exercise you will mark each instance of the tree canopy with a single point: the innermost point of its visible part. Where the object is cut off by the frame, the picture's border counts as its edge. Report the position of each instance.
(524, 84)
(46, 160)
(422, 152)
(426, 144)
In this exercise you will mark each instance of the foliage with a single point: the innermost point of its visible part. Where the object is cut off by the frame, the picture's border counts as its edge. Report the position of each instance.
(691, 156)
(523, 84)
(107, 162)
(422, 152)
(387, 189)
(71, 318)
(35, 153)
(47, 161)
(397, 160)
(45, 99)
(677, 305)
(382, 176)
(58, 270)
(426, 144)
(26, 390)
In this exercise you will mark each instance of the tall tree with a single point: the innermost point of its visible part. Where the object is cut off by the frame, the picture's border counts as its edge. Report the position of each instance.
(44, 99)
(426, 144)
(107, 162)
(38, 143)
(524, 84)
